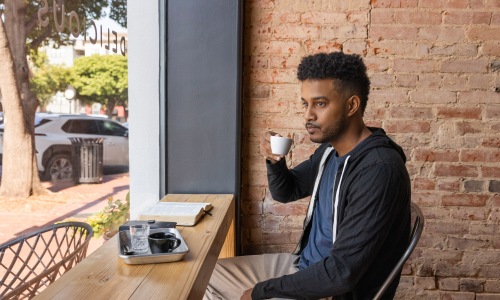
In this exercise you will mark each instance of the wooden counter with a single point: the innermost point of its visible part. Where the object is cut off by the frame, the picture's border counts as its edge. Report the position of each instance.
(103, 275)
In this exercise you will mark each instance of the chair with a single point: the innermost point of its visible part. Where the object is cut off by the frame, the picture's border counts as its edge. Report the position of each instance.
(418, 225)
(30, 263)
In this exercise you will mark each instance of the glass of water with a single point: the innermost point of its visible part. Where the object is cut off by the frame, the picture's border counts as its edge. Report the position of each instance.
(139, 238)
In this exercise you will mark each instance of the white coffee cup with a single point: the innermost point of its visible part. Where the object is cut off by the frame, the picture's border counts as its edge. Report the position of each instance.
(280, 145)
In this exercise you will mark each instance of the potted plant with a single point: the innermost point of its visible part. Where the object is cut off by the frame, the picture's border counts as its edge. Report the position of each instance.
(106, 222)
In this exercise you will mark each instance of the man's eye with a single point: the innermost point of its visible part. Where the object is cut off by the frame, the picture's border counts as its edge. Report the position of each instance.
(320, 104)
(304, 104)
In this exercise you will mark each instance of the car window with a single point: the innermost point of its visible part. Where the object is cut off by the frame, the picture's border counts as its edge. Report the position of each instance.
(110, 128)
(81, 126)
(41, 122)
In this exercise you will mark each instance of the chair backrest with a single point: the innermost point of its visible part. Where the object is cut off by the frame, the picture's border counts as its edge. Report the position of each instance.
(30, 263)
(416, 231)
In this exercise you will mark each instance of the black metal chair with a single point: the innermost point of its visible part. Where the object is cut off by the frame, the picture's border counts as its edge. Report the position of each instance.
(30, 263)
(418, 225)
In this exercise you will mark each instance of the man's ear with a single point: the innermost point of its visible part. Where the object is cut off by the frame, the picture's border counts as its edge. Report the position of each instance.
(353, 105)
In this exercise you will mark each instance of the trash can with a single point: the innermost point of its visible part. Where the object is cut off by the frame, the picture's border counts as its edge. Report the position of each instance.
(87, 157)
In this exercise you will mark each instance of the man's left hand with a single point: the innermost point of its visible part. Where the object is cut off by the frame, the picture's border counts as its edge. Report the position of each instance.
(247, 295)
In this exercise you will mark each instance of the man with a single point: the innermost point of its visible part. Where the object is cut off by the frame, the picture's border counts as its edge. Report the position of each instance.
(358, 221)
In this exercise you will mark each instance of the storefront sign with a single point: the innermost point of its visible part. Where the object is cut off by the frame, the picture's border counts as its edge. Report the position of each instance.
(72, 22)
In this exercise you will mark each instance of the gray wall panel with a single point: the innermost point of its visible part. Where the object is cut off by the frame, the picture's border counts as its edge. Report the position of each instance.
(203, 96)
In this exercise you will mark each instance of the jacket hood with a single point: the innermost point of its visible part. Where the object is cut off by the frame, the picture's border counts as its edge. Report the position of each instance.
(378, 139)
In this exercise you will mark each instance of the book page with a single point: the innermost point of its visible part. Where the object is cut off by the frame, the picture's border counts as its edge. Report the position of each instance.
(176, 208)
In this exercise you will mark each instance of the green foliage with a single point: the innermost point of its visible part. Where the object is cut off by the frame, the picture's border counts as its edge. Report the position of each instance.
(47, 79)
(110, 217)
(102, 79)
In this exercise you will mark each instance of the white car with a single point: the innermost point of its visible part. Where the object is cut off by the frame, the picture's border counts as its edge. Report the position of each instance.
(53, 145)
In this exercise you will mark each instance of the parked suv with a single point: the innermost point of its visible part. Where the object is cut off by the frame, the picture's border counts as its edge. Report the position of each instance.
(53, 147)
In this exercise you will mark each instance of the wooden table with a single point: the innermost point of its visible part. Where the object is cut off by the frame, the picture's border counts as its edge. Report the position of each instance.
(103, 275)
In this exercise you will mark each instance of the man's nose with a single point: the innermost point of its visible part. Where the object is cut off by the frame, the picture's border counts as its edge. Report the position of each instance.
(309, 114)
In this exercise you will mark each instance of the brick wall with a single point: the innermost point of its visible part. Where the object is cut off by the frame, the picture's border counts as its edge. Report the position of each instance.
(435, 71)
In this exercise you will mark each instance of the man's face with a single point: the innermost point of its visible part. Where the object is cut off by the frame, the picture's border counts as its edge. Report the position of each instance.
(325, 110)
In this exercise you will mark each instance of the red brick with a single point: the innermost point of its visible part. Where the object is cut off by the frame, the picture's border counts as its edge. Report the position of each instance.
(415, 66)
(296, 31)
(275, 47)
(426, 283)
(455, 50)
(407, 127)
(450, 170)
(379, 97)
(285, 17)
(458, 296)
(466, 17)
(471, 285)
(393, 3)
(392, 47)
(424, 184)
(406, 80)
(465, 66)
(480, 81)
(436, 155)
(357, 47)
(448, 185)
(447, 228)
(485, 97)
(285, 62)
(464, 200)
(411, 113)
(459, 112)
(485, 296)
(378, 32)
(480, 155)
(382, 16)
(490, 48)
(491, 141)
(344, 32)
(495, 18)
(483, 33)
(484, 4)
(443, 3)
(322, 46)
(449, 34)
(468, 127)
(492, 286)
(492, 111)
(358, 17)
(487, 171)
(323, 18)
(377, 64)
(251, 221)
(448, 284)
(433, 97)
(285, 209)
(417, 17)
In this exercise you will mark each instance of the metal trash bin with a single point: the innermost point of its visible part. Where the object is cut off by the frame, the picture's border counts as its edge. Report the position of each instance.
(87, 157)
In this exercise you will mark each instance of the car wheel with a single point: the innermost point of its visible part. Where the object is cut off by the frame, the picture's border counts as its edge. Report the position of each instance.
(59, 168)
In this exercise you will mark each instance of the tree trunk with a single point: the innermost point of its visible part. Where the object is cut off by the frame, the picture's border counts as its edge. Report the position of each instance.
(110, 107)
(19, 169)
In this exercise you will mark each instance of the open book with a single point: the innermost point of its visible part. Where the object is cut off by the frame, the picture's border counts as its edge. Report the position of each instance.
(184, 213)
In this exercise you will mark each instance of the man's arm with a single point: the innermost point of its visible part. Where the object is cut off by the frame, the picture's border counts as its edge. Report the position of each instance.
(375, 203)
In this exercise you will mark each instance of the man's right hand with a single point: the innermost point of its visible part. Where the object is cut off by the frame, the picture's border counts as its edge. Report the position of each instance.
(265, 147)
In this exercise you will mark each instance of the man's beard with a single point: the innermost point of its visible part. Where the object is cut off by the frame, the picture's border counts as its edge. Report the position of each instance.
(331, 132)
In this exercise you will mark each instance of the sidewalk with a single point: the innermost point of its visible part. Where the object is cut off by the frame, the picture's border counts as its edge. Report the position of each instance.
(67, 201)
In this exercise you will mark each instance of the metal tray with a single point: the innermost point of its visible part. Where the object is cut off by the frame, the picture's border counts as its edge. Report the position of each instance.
(148, 257)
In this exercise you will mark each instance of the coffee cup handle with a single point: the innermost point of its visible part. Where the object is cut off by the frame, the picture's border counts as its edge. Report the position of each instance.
(177, 243)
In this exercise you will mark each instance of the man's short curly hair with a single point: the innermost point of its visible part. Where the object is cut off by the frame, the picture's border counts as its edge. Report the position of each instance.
(347, 70)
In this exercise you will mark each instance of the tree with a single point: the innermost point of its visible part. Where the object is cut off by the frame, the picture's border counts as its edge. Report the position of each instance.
(26, 25)
(102, 79)
(47, 79)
